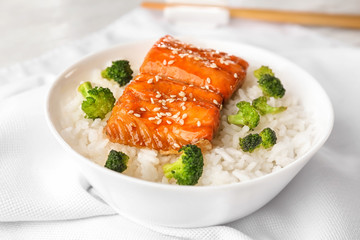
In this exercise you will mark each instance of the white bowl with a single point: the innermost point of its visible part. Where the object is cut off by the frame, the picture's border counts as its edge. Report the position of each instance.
(191, 206)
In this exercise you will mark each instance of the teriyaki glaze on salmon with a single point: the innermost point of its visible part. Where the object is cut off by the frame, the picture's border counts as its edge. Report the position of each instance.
(176, 98)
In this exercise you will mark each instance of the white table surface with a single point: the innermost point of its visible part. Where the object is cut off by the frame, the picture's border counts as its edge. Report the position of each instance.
(32, 28)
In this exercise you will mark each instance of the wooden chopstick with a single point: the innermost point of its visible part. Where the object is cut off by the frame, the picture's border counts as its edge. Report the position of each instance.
(302, 18)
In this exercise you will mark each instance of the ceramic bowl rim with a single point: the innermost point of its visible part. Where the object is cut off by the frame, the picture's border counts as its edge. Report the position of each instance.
(122, 177)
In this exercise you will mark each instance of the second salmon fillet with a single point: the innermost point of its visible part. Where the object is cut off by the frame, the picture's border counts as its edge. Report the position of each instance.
(206, 68)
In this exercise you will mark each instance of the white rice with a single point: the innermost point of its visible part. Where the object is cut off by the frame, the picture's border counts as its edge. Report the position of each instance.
(226, 163)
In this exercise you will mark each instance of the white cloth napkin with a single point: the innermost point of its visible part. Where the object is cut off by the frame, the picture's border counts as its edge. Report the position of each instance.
(41, 197)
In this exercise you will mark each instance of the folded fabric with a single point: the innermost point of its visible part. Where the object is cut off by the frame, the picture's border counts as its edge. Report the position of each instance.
(41, 196)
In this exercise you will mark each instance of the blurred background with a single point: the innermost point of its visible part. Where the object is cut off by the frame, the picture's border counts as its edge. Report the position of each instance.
(31, 28)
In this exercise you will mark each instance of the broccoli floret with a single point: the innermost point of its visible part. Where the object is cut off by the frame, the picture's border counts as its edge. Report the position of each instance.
(263, 107)
(271, 86)
(250, 142)
(268, 137)
(98, 101)
(117, 161)
(247, 115)
(268, 83)
(120, 71)
(262, 71)
(188, 167)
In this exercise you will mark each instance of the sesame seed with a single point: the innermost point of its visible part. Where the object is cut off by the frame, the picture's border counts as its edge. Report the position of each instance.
(143, 109)
(168, 114)
(137, 115)
(163, 114)
(181, 94)
(130, 111)
(171, 62)
(183, 108)
(176, 115)
(158, 96)
(191, 85)
(151, 118)
(164, 62)
(216, 102)
(168, 122)
(181, 121)
(194, 99)
(152, 100)
(158, 115)
(213, 65)
(150, 80)
(235, 75)
(196, 58)
(173, 96)
(176, 145)
(174, 51)
(157, 78)
(159, 121)
(156, 109)
(184, 116)
(164, 107)
(207, 87)
(198, 123)
(182, 104)
(170, 100)
(184, 88)
(208, 80)
(172, 56)
(184, 99)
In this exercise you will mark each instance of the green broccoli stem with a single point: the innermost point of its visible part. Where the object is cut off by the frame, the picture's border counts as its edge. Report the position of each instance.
(235, 119)
(84, 88)
(263, 107)
(171, 167)
(104, 74)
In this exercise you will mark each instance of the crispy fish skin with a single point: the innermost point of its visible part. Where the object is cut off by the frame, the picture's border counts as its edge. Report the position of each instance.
(208, 68)
(160, 114)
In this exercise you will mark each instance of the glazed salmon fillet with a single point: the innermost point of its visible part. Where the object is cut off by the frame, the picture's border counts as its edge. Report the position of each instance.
(162, 114)
(217, 71)
(177, 97)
